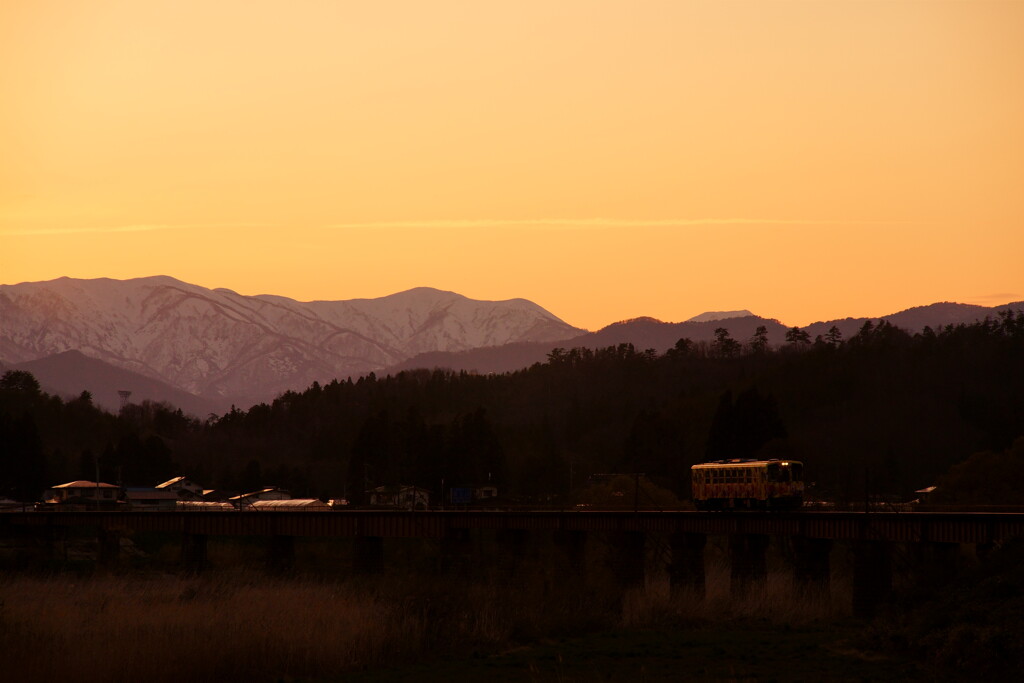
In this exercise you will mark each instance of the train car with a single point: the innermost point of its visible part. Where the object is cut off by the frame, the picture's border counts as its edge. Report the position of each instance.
(748, 484)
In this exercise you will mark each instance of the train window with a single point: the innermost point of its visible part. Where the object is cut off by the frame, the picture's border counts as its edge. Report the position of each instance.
(774, 472)
(798, 471)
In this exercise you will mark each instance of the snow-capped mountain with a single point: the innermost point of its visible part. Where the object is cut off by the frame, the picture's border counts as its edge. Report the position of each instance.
(218, 343)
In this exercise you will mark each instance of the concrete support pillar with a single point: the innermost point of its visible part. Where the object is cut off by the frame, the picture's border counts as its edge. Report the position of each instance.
(937, 563)
(872, 577)
(109, 547)
(48, 544)
(368, 555)
(574, 544)
(628, 559)
(686, 571)
(280, 553)
(812, 571)
(748, 565)
(512, 544)
(193, 553)
(456, 551)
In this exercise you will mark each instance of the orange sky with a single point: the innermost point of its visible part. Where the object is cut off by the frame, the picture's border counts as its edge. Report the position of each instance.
(805, 160)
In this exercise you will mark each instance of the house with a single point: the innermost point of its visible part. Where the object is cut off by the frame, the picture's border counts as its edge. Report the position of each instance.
(184, 488)
(145, 498)
(400, 496)
(84, 494)
(269, 493)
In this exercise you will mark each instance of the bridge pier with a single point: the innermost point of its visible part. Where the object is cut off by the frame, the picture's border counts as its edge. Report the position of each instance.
(108, 547)
(686, 570)
(280, 553)
(872, 576)
(368, 555)
(48, 547)
(747, 559)
(194, 556)
(937, 563)
(628, 559)
(574, 544)
(811, 566)
(456, 551)
(512, 545)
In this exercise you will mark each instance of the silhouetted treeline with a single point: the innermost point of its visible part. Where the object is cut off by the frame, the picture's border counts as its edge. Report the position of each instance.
(883, 412)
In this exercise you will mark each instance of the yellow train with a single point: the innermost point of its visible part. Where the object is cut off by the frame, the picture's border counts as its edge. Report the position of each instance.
(750, 484)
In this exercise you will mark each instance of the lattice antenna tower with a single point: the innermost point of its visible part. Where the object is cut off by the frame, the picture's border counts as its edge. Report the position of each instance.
(124, 397)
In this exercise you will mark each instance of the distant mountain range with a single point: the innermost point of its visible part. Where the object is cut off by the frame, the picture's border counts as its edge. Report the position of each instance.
(227, 348)
(648, 333)
(204, 350)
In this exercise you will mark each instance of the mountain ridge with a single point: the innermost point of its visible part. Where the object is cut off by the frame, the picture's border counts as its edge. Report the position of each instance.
(646, 332)
(223, 348)
(217, 343)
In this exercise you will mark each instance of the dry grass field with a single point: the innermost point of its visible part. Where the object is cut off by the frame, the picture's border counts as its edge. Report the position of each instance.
(240, 623)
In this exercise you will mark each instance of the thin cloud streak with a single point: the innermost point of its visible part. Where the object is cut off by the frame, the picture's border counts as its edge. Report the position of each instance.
(583, 223)
(112, 229)
(984, 299)
(566, 223)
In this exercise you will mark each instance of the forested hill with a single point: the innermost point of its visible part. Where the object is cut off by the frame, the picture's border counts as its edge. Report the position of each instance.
(894, 408)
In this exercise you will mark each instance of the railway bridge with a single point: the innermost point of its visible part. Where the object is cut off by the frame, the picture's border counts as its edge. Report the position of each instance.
(934, 539)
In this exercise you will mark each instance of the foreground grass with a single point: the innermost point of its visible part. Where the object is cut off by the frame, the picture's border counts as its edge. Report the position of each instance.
(242, 624)
(165, 628)
(736, 652)
(537, 625)
(236, 625)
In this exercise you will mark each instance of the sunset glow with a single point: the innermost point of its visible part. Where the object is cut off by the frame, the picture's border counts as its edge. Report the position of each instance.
(606, 160)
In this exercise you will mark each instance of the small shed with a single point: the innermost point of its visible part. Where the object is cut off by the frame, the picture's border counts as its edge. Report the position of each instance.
(139, 498)
(485, 492)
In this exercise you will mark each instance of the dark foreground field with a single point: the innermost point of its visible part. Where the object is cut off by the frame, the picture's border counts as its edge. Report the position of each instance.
(241, 626)
(240, 623)
(754, 651)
